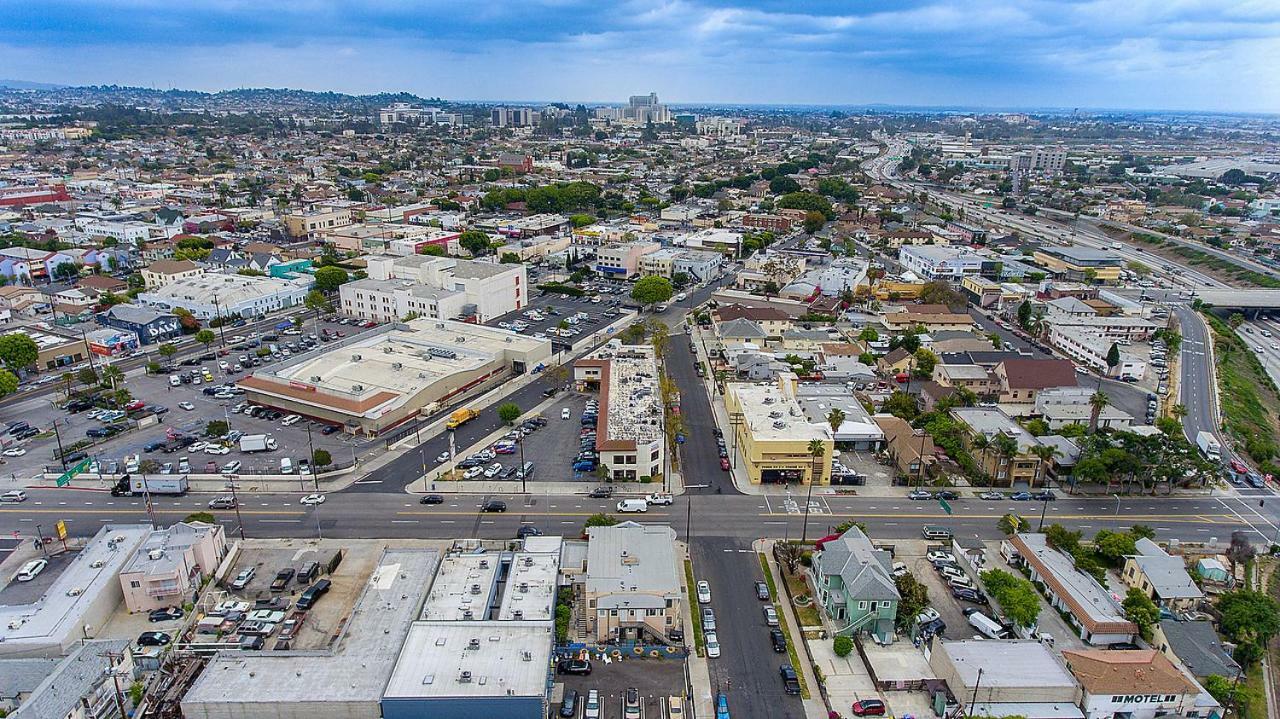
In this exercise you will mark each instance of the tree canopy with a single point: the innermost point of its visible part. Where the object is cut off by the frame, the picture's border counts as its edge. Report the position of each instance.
(652, 290)
(1016, 595)
(18, 351)
(806, 201)
(329, 279)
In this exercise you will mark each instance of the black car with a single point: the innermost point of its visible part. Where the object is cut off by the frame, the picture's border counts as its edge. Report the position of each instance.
(431, 499)
(330, 429)
(569, 706)
(154, 639)
(573, 666)
(208, 357)
(601, 493)
(969, 595)
(191, 362)
(790, 682)
(1045, 496)
(527, 531)
(550, 391)
(779, 640)
(164, 615)
(312, 594)
(762, 591)
(494, 505)
(101, 431)
(946, 494)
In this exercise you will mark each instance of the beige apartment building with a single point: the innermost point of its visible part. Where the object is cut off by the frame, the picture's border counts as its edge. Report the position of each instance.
(164, 272)
(168, 568)
(631, 588)
(314, 225)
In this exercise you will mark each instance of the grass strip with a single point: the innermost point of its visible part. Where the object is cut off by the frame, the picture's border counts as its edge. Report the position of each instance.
(699, 645)
(792, 654)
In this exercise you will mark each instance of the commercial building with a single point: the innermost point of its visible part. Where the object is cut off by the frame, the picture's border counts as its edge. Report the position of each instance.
(55, 349)
(149, 325)
(79, 601)
(772, 433)
(697, 265)
(1161, 577)
(714, 239)
(437, 287)
(1091, 350)
(372, 383)
(109, 342)
(347, 680)
(163, 272)
(935, 262)
(209, 296)
(529, 226)
(632, 589)
(392, 238)
(855, 585)
(1079, 263)
(629, 423)
(857, 431)
(1137, 684)
(1004, 678)
(1090, 607)
(934, 318)
(623, 259)
(167, 570)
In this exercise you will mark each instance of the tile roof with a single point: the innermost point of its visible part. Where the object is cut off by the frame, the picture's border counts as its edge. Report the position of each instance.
(1125, 671)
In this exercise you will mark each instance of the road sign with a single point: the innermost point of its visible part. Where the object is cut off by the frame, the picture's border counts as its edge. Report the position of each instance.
(945, 507)
(61, 529)
(75, 469)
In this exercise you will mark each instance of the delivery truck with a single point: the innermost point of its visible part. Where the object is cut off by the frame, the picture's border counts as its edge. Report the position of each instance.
(138, 484)
(250, 443)
(460, 417)
(1209, 445)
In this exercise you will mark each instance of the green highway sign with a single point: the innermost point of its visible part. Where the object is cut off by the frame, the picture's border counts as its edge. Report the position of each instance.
(75, 469)
(945, 507)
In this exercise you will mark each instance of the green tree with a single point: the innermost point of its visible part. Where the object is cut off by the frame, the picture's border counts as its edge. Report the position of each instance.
(1024, 314)
(317, 302)
(842, 645)
(1017, 597)
(167, 350)
(475, 242)
(112, 376)
(216, 428)
(509, 258)
(869, 334)
(1235, 320)
(18, 351)
(8, 383)
(924, 364)
(321, 458)
(204, 517)
(1097, 402)
(509, 412)
(835, 418)
(813, 221)
(901, 405)
(87, 376)
(329, 279)
(65, 271)
(1249, 617)
(433, 251)
(206, 338)
(940, 292)
(1059, 537)
(1142, 531)
(913, 597)
(1114, 546)
(652, 290)
(1139, 609)
(806, 201)
(1113, 356)
(599, 520)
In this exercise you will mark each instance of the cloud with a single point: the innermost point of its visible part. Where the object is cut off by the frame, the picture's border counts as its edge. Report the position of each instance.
(1093, 53)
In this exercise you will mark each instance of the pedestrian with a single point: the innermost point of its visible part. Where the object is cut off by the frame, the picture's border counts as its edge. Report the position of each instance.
(433, 486)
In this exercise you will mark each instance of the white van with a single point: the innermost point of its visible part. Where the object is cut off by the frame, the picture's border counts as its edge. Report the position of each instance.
(286, 465)
(14, 495)
(31, 569)
(988, 626)
(633, 505)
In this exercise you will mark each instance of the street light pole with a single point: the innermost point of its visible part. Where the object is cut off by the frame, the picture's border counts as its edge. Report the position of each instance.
(524, 476)
(235, 504)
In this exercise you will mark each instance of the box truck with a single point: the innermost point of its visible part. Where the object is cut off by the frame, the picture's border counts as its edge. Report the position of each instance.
(1209, 445)
(460, 417)
(257, 443)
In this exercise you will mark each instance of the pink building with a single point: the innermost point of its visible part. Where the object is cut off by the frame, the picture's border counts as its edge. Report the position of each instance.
(167, 569)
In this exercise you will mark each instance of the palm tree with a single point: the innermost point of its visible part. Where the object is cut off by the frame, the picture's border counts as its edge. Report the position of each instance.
(982, 443)
(1044, 453)
(112, 375)
(817, 448)
(1097, 402)
(1006, 449)
(1178, 411)
(835, 418)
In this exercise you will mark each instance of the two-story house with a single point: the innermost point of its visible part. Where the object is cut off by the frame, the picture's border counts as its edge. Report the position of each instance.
(855, 585)
(1162, 577)
(631, 588)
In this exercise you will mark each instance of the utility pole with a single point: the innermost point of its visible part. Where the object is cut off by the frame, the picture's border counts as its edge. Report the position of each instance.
(62, 455)
(222, 326)
(315, 481)
(235, 503)
(524, 476)
(112, 658)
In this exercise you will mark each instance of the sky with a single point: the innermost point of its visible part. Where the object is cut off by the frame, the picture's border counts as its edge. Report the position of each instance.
(1219, 55)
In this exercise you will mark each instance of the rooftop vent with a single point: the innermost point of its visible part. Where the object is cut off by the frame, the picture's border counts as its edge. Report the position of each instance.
(528, 561)
(475, 588)
(524, 586)
(397, 366)
(779, 425)
(768, 400)
(775, 414)
(315, 378)
(467, 614)
(484, 563)
(517, 614)
(356, 358)
(464, 678)
(474, 644)
(357, 388)
(155, 554)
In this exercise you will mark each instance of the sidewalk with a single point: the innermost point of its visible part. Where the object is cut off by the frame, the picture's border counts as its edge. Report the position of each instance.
(815, 706)
(702, 695)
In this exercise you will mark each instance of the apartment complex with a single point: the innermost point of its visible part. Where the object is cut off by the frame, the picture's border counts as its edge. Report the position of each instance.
(163, 272)
(167, 570)
(629, 426)
(435, 287)
(632, 588)
(316, 224)
(216, 295)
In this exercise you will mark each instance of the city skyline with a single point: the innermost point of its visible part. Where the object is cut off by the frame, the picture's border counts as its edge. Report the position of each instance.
(1135, 55)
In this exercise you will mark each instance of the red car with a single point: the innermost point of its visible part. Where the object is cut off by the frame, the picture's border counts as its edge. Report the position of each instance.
(1238, 467)
(136, 404)
(724, 464)
(868, 708)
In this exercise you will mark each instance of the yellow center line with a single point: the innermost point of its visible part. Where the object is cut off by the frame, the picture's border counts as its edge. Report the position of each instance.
(642, 515)
(1189, 518)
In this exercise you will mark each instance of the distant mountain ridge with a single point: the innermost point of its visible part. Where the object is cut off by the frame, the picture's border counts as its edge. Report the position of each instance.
(28, 85)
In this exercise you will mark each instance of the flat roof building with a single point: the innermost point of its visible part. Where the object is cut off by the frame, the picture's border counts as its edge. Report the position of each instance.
(772, 432)
(221, 295)
(374, 382)
(344, 682)
(629, 429)
(631, 588)
(857, 430)
(1001, 674)
(84, 594)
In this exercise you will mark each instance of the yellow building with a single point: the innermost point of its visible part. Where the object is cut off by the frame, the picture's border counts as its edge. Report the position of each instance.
(1074, 262)
(889, 290)
(772, 434)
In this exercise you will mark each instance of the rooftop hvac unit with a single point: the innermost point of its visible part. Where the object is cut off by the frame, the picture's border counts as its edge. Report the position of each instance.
(768, 400)
(474, 644)
(387, 350)
(775, 414)
(524, 586)
(517, 614)
(356, 358)
(467, 614)
(526, 655)
(475, 588)
(397, 366)
(357, 388)
(464, 678)
(779, 425)
(155, 554)
(528, 561)
(315, 378)
(441, 352)
(484, 563)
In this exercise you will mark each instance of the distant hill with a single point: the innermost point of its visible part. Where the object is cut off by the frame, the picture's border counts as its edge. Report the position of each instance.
(28, 85)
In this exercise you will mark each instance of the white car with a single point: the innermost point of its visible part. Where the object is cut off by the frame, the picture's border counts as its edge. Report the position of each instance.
(217, 449)
(14, 452)
(312, 499)
(566, 413)
(442, 457)
(660, 498)
(197, 446)
(222, 365)
(940, 556)
(899, 569)
(231, 467)
(704, 592)
(770, 616)
(713, 644)
(187, 406)
(492, 470)
(472, 473)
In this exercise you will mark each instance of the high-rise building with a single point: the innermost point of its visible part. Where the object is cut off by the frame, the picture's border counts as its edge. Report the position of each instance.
(645, 109)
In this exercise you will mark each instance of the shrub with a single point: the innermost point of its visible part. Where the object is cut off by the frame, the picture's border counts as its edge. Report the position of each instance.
(842, 646)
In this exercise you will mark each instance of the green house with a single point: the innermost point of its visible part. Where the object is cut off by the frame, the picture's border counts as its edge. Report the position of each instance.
(855, 586)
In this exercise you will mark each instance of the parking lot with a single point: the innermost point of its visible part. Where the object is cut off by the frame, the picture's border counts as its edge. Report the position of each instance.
(28, 592)
(161, 391)
(557, 313)
(950, 610)
(654, 679)
(551, 447)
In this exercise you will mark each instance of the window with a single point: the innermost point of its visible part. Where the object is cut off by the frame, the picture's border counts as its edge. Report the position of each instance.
(613, 612)
(135, 584)
(862, 605)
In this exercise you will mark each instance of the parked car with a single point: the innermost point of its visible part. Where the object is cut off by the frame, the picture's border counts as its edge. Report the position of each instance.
(243, 578)
(494, 505)
(154, 639)
(431, 499)
(790, 682)
(868, 708)
(770, 615)
(164, 615)
(574, 666)
(779, 640)
(704, 592)
(713, 644)
(762, 591)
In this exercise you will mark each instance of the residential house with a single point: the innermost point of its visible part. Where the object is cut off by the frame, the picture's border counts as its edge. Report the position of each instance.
(632, 588)
(911, 450)
(964, 376)
(75, 301)
(24, 300)
(773, 321)
(1021, 378)
(1162, 577)
(855, 585)
(23, 265)
(103, 283)
(1196, 647)
(1089, 607)
(1020, 467)
(896, 362)
(1020, 677)
(83, 685)
(931, 317)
